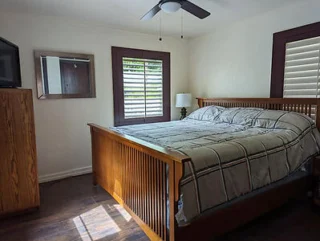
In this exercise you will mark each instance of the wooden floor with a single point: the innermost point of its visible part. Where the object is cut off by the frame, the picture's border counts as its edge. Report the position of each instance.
(74, 210)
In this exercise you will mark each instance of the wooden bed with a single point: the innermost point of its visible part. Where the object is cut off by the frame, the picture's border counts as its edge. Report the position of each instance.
(135, 173)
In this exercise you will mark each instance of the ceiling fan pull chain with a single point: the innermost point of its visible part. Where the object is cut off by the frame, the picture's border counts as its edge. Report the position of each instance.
(181, 24)
(160, 27)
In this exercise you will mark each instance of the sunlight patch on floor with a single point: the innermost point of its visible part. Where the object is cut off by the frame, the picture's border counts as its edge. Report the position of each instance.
(95, 224)
(123, 212)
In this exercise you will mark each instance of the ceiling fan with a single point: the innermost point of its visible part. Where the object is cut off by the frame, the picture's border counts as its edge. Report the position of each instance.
(171, 6)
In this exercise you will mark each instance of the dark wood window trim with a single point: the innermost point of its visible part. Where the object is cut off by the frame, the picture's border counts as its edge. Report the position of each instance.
(280, 40)
(118, 95)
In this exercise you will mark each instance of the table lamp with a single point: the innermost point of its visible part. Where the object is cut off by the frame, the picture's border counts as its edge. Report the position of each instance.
(183, 100)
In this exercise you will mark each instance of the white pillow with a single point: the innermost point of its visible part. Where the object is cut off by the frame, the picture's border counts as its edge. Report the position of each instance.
(208, 113)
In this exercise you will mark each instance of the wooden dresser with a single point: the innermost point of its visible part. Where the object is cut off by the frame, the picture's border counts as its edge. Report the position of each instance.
(19, 187)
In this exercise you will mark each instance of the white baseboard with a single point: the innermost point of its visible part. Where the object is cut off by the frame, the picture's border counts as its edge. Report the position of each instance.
(65, 174)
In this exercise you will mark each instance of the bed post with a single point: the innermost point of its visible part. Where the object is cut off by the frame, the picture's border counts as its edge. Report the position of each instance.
(318, 114)
(316, 180)
(94, 178)
(174, 196)
(200, 102)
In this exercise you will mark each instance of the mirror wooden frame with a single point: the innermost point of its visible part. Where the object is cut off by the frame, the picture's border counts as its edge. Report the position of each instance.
(39, 80)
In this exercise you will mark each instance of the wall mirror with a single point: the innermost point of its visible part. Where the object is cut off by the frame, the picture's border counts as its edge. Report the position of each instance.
(64, 75)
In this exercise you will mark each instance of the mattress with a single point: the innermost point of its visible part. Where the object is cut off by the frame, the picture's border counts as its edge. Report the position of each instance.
(234, 151)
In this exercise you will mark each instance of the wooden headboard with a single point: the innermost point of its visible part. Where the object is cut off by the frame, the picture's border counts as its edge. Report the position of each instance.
(308, 106)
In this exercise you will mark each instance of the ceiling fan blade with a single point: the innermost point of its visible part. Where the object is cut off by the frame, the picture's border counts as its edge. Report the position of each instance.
(151, 13)
(194, 9)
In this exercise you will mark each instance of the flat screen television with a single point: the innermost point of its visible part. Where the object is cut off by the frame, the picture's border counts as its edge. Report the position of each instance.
(10, 75)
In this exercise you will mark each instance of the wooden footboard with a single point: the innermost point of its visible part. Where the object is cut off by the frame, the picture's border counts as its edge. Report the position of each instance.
(141, 177)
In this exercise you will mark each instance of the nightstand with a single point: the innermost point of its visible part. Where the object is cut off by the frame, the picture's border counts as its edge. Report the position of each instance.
(316, 178)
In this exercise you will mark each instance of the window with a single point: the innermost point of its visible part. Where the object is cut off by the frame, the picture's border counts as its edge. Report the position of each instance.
(301, 73)
(296, 63)
(141, 86)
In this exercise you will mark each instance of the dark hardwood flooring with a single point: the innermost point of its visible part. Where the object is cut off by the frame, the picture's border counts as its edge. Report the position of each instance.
(74, 210)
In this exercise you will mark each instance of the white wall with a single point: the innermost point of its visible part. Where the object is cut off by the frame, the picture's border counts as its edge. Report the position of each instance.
(236, 61)
(63, 140)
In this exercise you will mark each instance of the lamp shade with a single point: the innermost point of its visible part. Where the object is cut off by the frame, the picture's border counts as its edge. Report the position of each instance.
(183, 100)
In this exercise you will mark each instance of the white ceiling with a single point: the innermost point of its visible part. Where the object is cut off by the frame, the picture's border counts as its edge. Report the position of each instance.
(125, 14)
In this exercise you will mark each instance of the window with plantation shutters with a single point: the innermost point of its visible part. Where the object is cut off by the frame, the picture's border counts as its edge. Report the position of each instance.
(142, 86)
(301, 76)
(296, 63)
(141, 82)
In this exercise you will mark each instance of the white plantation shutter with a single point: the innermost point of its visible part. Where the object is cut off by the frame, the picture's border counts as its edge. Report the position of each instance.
(301, 78)
(142, 87)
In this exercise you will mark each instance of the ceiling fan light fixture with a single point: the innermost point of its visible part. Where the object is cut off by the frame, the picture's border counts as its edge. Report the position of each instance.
(170, 6)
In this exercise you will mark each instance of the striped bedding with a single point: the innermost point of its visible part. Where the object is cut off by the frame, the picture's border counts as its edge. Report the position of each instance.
(233, 151)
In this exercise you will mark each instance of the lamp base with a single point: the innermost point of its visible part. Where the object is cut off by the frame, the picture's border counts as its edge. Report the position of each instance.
(183, 113)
